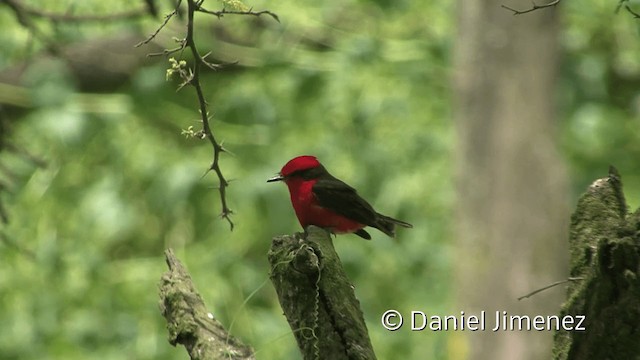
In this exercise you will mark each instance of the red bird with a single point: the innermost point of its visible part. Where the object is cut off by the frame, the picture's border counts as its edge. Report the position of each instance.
(320, 199)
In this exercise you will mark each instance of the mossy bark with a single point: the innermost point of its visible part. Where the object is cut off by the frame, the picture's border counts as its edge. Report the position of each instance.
(190, 323)
(605, 254)
(318, 298)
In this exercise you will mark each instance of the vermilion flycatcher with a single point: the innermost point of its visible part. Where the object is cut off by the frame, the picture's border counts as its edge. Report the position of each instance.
(320, 199)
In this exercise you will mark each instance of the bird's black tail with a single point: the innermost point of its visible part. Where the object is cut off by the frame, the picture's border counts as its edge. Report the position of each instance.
(388, 224)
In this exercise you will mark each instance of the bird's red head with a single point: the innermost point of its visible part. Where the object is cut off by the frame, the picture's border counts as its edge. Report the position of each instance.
(298, 164)
(295, 167)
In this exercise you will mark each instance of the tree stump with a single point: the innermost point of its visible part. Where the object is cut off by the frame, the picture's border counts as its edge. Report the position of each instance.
(605, 255)
(318, 298)
(190, 323)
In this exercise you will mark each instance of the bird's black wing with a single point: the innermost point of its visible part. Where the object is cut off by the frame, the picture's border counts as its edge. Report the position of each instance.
(342, 199)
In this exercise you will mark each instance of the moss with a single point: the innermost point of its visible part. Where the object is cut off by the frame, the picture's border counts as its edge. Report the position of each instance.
(318, 298)
(188, 320)
(605, 254)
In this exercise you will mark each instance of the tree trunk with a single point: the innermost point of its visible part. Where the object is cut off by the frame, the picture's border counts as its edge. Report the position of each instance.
(512, 193)
(605, 255)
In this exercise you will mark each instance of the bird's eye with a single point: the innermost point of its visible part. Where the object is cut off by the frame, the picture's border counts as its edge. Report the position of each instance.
(306, 174)
(298, 173)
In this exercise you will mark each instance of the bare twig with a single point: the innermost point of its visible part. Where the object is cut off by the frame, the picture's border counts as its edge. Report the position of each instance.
(27, 10)
(533, 7)
(224, 12)
(166, 52)
(553, 3)
(24, 154)
(125, 15)
(549, 287)
(164, 23)
(25, 20)
(192, 77)
(24, 14)
(204, 113)
(635, 14)
(625, 3)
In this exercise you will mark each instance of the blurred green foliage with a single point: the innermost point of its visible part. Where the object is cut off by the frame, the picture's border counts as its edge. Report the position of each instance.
(363, 85)
(600, 94)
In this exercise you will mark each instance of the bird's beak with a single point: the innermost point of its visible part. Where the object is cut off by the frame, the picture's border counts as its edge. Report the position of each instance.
(276, 178)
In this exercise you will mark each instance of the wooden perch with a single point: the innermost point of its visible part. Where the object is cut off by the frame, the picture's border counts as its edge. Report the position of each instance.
(190, 323)
(605, 253)
(317, 297)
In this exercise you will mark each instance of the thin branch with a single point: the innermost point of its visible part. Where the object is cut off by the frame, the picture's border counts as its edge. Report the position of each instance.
(224, 12)
(635, 14)
(549, 287)
(204, 113)
(165, 52)
(192, 77)
(24, 154)
(125, 15)
(24, 19)
(533, 7)
(27, 10)
(164, 23)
